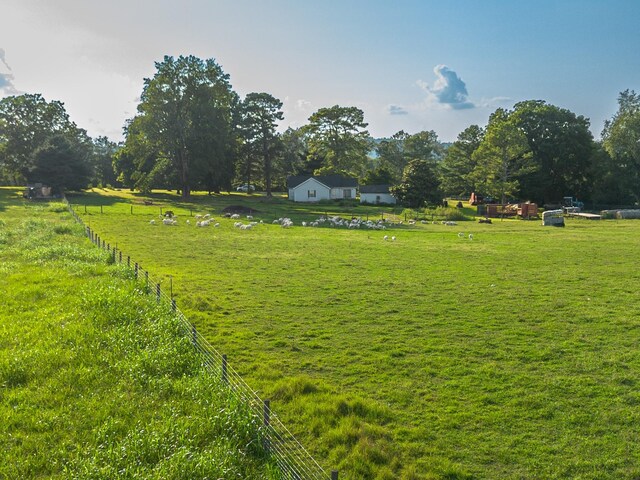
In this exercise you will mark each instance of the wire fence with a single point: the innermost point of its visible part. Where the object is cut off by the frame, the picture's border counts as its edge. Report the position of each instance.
(294, 461)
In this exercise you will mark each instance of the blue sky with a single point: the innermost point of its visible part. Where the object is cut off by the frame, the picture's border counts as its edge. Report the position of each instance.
(408, 64)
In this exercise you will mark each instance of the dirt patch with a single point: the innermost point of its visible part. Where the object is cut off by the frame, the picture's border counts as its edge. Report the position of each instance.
(239, 209)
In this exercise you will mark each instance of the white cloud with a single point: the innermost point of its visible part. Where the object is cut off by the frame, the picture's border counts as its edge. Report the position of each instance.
(448, 89)
(6, 79)
(396, 110)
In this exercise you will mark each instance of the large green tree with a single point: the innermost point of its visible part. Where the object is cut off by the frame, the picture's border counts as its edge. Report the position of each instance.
(293, 155)
(503, 158)
(621, 139)
(561, 146)
(391, 155)
(338, 137)
(26, 123)
(62, 164)
(458, 164)
(186, 117)
(104, 151)
(419, 186)
(260, 115)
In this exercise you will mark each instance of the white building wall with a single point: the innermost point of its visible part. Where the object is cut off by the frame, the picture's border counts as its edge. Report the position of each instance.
(302, 191)
(338, 193)
(372, 197)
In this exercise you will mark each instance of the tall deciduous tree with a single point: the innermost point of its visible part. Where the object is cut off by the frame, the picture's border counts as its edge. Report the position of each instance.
(420, 185)
(561, 146)
(293, 155)
(503, 157)
(458, 164)
(391, 154)
(26, 123)
(62, 163)
(396, 152)
(185, 115)
(103, 154)
(260, 115)
(338, 136)
(621, 139)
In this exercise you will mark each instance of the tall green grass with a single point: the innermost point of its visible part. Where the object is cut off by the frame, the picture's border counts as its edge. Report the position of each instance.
(509, 355)
(96, 379)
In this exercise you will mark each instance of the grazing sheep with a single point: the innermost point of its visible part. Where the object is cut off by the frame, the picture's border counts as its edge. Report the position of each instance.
(170, 221)
(249, 217)
(235, 216)
(152, 222)
(216, 224)
(385, 238)
(198, 216)
(461, 234)
(188, 222)
(207, 216)
(393, 239)
(471, 236)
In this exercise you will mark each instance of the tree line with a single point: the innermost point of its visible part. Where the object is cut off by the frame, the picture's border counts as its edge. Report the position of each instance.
(192, 131)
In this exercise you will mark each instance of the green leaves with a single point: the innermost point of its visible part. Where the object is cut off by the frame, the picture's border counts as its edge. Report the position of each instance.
(338, 136)
(185, 116)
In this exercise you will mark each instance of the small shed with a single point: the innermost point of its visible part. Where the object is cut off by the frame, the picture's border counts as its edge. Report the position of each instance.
(309, 188)
(376, 194)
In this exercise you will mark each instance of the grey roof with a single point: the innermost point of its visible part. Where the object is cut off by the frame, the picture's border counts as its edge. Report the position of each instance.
(331, 181)
(374, 188)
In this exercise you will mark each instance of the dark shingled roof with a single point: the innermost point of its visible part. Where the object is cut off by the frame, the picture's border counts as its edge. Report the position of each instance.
(331, 181)
(374, 188)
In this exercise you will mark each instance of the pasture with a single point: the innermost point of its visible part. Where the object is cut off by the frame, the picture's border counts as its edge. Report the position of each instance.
(512, 355)
(97, 381)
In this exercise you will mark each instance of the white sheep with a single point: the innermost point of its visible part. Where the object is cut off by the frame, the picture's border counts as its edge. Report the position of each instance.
(385, 238)
(152, 222)
(235, 216)
(249, 217)
(461, 234)
(471, 236)
(393, 239)
(216, 224)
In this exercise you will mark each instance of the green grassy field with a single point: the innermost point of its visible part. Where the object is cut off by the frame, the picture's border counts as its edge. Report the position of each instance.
(96, 380)
(512, 355)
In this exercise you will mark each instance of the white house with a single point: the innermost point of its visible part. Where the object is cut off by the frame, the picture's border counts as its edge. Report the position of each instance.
(307, 188)
(376, 194)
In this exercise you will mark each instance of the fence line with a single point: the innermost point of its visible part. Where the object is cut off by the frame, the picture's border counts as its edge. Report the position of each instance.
(295, 462)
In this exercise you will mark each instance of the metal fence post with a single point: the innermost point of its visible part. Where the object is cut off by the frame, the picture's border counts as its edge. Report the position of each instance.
(128, 260)
(135, 271)
(146, 279)
(194, 335)
(158, 292)
(334, 475)
(225, 379)
(120, 256)
(266, 420)
(173, 304)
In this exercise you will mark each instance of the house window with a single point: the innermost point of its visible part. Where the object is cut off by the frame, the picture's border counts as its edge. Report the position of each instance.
(311, 194)
(347, 193)
(378, 199)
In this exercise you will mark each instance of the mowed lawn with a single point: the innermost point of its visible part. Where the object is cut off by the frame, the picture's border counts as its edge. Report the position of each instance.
(511, 355)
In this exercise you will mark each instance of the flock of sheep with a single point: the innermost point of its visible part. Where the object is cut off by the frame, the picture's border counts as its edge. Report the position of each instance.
(335, 221)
